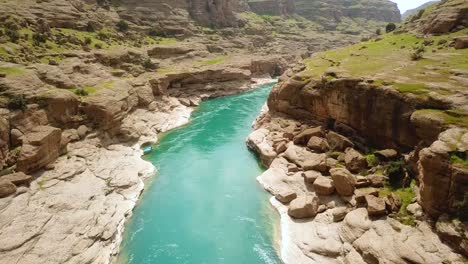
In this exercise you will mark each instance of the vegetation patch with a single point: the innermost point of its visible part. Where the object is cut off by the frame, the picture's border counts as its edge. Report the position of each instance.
(216, 60)
(414, 88)
(459, 159)
(11, 70)
(406, 196)
(449, 117)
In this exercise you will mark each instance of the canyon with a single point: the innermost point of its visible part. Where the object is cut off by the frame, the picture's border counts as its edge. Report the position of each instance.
(364, 138)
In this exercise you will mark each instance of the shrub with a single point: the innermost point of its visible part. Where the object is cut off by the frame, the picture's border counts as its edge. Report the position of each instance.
(390, 27)
(98, 46)
(39, 38)
(122, 26)
(396, 171)
(148, 64)
(418, 53)
(102, 36)
(88, 40)
(378, 32)
(81, 92)
(18, 102)
(14, 35)
(372, 160)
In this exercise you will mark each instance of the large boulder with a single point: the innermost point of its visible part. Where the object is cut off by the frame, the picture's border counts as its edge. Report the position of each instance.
(375, 205)
(40, 148)
(6, 188)
(355, 161)
(305, 206)
(318, 144)
(258, 141)
(338, 142)
(17, 178)
(344, 181)
(324, 186)
(303, 137)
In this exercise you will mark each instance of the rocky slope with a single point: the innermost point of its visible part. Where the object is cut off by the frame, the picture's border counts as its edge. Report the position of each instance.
(380, 125)
(414, 11)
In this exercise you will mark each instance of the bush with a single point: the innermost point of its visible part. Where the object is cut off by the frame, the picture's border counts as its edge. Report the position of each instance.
(81, 92)
(418, 53)
(378, 32)
(390, 27)
(396, 172)
(14, 35)
(18, 102)
(148, 64)
(98, 46)
(39, 38)
(88, 40)
(122, 26)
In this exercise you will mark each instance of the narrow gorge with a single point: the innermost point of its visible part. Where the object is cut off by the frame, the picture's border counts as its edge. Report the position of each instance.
(233, 131)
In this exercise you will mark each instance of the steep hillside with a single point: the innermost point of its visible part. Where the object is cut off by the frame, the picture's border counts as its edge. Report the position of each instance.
(414, 11)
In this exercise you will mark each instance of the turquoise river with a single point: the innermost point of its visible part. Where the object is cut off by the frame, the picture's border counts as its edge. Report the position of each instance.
(204, 206)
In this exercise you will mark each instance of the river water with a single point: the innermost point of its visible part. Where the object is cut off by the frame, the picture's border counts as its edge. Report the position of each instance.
(204, 206)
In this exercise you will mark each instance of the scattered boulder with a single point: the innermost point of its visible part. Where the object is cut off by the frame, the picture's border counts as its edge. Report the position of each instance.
(461, 42)
(355, 161)
(16, 137)
(339, 213)
(392, 203)
(304, 137)
(317, 162)
(310, 176)
(344, 181)
(338, 142)
(285, 195)
(386, 154)
(6, 189)
(305, 206)
(362, 181)
(375, 205)
(318, 144)
(360, 195)
(82, 131)
(377, 180)
(415, 209)
(324, 186)
(17, 178)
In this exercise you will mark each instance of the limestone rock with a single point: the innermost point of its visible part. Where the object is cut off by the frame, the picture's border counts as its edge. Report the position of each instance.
(305, 206)
(40, 147)
(461, 42)
(415, 209)
(303, 137)
(355, 161)
(360, 194)
(375, 205)
(318, 144)
(354, 225)
(258, 142)
(324, 186)
(386, 154)
(339, 213)
(454, 232)
(17, 178)
(285, 195)
(82, 131)
(392, 202)
(377, 180)
(338, 142)
(310, 176)
(6, 188)
(344, 181)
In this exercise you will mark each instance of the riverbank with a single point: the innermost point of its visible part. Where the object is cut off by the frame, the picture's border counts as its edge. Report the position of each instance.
(178, 220)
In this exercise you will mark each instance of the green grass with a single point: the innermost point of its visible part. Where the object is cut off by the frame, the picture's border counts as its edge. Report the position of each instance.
(414, 88)
(93, 89)
(216, 60)
(11, 71)
(459, 159)
(406, 196)
(372, 160)
(449, 117)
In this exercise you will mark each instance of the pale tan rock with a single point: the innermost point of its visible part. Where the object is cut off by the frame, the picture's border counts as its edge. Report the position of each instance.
(6, 188)
(344, 181)
(324, 186)
(355, 161)
(17, 178)
(354, 225)
(303, 137)
(310, 176)
(375, 205)
(318, 144)
(285, 195)
(304, 207)
(338, 142)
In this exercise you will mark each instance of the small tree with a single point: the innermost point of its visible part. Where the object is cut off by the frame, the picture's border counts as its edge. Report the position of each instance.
(18, 102)
(390, 27)
(39, 38)
(14, 35)
(122, 26)
(378, 32)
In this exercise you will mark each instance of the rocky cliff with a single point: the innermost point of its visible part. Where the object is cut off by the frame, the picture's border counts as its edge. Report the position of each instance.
(360, 108)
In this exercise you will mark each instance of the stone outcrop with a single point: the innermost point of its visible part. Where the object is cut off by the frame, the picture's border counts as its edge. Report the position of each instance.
(443, 184)
(335, 102)
(40, 147)
(304, 207)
